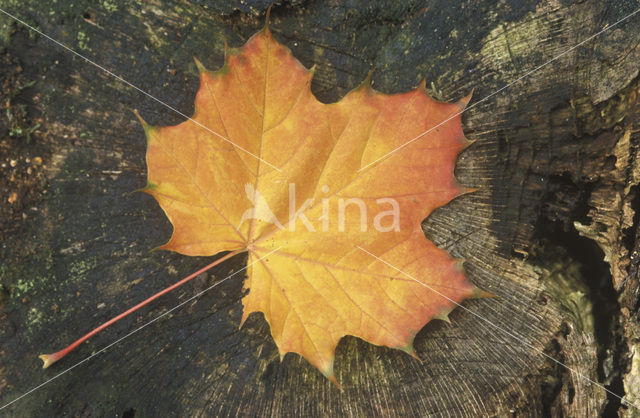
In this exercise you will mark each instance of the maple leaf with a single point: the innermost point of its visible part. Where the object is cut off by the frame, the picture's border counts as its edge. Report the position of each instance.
(264, 167)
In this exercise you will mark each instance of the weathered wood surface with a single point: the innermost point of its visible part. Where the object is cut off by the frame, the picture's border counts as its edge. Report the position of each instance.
(557, 148)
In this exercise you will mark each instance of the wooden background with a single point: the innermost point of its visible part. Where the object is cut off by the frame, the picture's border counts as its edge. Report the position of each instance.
(552, 231)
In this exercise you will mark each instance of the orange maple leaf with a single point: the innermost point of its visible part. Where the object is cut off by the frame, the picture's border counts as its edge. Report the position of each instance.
(264, 167)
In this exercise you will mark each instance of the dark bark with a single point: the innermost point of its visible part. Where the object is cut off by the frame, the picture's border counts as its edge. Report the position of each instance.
(555, 160)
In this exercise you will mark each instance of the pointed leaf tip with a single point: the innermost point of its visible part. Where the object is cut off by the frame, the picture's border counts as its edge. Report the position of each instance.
(481, 294)
(226, 46)
(443, 316)
(366, 82)
(332, 379)
(142, 121)
(243, 319)
(266, 20)
(140, 190)
(163, 247)
(409, 349)
(469, 190)
(201, 68)
(462, 103)
(367, 79)
(146, 189)
(144, 124)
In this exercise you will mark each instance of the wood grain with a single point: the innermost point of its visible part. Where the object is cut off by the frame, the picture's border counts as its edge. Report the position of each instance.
(557, 148)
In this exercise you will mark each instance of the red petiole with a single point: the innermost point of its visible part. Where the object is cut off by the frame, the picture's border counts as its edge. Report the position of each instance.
(49, 359)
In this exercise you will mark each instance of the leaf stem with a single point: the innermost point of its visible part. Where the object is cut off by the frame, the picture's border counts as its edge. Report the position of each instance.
(49, 359)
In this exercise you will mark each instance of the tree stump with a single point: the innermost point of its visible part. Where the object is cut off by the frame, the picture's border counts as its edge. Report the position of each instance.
(552, 231)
